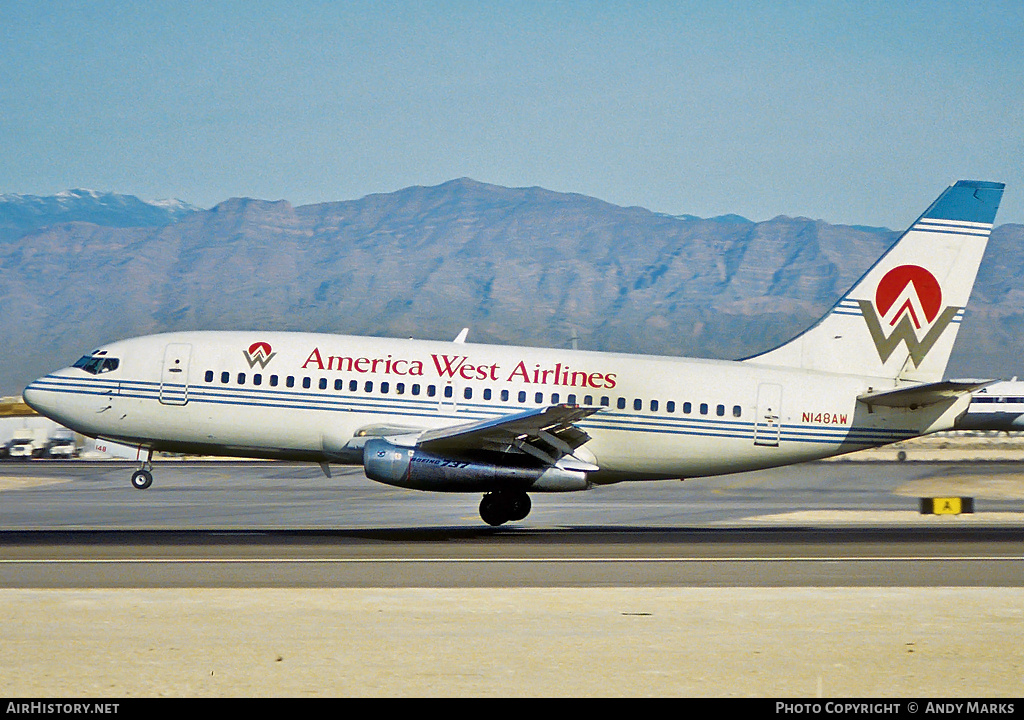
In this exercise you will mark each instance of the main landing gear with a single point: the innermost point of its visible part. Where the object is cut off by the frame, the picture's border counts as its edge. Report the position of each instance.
(143, 477)
(501, 506)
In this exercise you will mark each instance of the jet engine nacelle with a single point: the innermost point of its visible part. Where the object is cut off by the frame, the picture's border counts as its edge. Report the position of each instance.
(419, 470)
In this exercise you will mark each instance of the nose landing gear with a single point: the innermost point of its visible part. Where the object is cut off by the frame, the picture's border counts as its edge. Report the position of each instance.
(143, 477)
(503, 506)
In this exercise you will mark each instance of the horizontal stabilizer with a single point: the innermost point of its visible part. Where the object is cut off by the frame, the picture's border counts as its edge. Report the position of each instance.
(918, 396)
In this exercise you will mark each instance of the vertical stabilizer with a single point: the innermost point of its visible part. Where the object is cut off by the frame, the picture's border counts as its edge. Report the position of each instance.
(900, 319)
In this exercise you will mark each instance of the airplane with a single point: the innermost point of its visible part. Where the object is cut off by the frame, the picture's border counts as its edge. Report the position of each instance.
(999, 406)
(508, 421)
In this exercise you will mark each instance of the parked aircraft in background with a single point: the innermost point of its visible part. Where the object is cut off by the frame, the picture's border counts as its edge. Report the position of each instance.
(507, 421)
(999, 406)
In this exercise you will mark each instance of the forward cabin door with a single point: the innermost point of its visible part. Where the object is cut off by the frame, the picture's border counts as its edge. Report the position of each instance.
(174, 375)
(768, 423)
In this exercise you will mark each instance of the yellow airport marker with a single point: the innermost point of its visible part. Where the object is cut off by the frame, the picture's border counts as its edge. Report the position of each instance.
(947, 506)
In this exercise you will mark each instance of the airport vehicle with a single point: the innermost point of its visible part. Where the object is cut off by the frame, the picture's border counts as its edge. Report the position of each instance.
(25, 444)
(508, 421)
(62, 445)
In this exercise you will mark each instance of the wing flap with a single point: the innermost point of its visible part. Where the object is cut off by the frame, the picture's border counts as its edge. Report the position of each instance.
(547, 433)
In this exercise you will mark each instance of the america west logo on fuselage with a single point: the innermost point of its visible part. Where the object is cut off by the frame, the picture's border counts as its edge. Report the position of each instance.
(259, 353)
(908, 299)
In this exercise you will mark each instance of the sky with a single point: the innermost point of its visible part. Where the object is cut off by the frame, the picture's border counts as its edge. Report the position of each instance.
(850, 112)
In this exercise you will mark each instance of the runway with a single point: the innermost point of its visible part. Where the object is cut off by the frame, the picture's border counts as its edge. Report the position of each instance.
(264, 579)
(265, 524)
(925, 557)
(256, 496)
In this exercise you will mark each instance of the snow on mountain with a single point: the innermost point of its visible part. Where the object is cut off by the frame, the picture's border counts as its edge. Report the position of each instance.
(20, 214)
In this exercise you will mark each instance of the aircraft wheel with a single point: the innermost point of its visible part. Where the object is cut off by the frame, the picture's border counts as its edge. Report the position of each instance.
(518, 506)
(497, 508)
(141, 479)
(493, 510)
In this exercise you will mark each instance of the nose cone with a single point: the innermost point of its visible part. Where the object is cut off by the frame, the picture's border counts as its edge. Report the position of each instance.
(61, 397)
(35, 398)
(43, 395)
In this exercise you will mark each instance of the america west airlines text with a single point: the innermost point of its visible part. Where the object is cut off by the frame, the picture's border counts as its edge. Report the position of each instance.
(458, 367)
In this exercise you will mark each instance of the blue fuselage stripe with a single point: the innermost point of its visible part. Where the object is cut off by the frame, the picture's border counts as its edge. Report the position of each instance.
(608, 419)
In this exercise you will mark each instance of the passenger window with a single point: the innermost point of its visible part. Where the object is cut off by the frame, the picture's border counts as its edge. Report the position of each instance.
(468, 393)
(400, 388)
(225, 377)
(339, 385)
(487, 393)
(241, 378)
(448, 391)
(606, 401)
(621, 403)
(323, 383)
(720, 411)
(554, 398)
(638, 404)
(670, 406)
(737, 411)
(588, 400)
(415, 389)
(306, 383)
(368, 387)
(687, 408)
(353, 385)
(257, 379)
(290, 381)
(504, 395)
(209, 376)
(385, 387)
(273, 381)
(703, 408)
(522, 396)
(538, 397)
(431, 391)
(654, 406)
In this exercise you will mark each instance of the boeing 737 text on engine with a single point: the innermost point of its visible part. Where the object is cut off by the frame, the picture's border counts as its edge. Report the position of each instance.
(508, 421)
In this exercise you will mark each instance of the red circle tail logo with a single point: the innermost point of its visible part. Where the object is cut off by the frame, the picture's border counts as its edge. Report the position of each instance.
(260, 349)
(916, 291)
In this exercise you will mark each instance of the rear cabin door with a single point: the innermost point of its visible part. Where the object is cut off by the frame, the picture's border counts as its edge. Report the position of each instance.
(768, 423)
(174, 375)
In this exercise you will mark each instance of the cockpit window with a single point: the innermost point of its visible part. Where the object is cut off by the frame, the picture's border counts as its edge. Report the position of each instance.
(97, 365)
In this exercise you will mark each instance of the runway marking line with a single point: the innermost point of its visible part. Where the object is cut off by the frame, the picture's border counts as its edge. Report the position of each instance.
(196, 561)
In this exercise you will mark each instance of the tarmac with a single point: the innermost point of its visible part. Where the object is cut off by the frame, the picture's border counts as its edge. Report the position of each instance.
(857, 642)
(607, 642)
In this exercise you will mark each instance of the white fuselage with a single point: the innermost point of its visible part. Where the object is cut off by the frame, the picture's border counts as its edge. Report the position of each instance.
(312, 396)
(1000, 406)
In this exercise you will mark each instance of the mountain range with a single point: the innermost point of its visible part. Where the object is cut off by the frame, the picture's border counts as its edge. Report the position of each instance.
(20, 214)
(516, 265)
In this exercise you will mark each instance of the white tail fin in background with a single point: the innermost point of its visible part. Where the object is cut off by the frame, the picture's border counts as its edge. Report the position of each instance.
(900, 319)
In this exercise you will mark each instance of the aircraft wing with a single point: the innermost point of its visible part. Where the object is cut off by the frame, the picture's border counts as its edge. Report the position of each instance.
(917, 396)
(547, 433)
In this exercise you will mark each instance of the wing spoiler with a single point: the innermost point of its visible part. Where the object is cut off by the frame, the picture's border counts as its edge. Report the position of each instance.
(547, 433)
